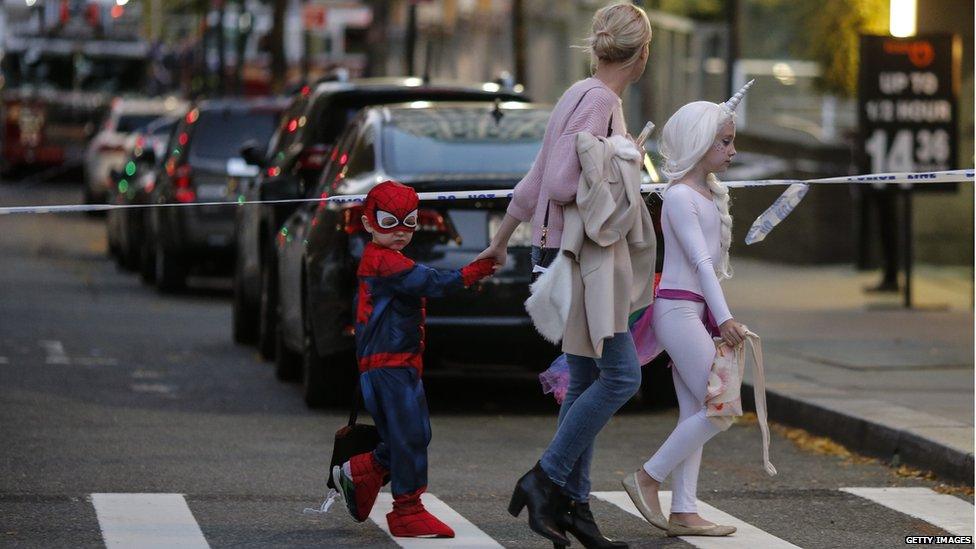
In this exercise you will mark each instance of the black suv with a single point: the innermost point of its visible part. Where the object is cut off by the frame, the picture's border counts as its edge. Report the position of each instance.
(202, 153)
(290, 167)
(132, 184)
(431, 147)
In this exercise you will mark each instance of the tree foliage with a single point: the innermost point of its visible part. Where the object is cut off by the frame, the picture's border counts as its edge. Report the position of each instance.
(830, 36)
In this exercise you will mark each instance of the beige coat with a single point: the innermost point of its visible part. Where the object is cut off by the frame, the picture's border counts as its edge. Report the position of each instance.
(610, 236)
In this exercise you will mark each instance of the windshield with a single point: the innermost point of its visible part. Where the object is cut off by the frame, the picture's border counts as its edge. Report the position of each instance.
(462, 141)
(74, 72)
(220, 133)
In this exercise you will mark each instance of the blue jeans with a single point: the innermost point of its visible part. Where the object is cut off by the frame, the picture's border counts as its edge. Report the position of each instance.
(597, 389)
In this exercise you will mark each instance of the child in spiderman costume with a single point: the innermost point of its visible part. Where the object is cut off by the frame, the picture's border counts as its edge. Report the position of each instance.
(390, 346)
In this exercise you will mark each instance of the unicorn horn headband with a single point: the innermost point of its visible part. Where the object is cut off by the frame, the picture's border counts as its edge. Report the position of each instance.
(729, 106)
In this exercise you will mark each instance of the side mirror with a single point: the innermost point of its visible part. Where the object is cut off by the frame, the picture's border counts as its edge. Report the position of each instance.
(253, 153)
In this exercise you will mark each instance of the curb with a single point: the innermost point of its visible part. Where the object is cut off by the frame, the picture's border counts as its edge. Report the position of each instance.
(893, 445)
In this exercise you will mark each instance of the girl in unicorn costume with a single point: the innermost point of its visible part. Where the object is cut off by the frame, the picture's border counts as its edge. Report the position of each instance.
(690, 308)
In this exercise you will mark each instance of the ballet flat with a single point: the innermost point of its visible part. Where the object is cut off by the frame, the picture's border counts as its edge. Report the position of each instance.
(653, 516)
(715, 530)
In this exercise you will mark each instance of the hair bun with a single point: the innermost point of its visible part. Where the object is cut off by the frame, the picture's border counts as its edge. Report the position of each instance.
(618, 34)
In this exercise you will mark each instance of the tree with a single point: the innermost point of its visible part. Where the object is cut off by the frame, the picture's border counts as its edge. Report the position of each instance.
(831, 38)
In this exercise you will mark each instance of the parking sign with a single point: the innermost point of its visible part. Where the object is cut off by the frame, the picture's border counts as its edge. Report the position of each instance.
(907, 104)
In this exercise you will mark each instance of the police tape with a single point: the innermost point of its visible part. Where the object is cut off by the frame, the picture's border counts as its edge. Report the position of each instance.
(902, 178)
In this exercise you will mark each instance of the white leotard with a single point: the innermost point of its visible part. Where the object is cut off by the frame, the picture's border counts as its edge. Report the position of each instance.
(692, 246)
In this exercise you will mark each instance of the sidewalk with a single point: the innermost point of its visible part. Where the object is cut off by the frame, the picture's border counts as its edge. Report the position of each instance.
(886, 381)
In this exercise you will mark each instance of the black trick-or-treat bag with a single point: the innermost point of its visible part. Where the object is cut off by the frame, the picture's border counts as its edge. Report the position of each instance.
(353, 438)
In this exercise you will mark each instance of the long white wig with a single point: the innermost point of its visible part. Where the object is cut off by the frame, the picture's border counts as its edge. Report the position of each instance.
(685, 139)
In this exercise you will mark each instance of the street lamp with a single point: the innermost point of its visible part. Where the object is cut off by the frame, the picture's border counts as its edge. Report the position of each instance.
(902, 21)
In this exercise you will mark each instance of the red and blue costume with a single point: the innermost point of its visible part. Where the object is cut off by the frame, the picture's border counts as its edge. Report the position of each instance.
(390, 311)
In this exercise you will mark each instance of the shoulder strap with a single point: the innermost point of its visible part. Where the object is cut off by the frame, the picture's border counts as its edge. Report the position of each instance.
(759, 390)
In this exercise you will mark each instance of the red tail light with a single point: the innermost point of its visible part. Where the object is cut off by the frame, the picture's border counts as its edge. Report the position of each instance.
(183, 184)
(106, 147)
(313, 157)
(431, 221)
(352, 219)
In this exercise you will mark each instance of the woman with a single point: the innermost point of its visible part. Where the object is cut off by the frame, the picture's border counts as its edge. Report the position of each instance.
(696, 142)
(556, 490)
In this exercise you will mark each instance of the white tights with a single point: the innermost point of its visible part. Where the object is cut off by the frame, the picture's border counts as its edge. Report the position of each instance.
(679, 328)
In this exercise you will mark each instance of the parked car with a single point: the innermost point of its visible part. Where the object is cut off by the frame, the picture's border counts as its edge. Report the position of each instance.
(431, 147)
(106, 150)
(132, 184)
(202, 153)
(291, 166)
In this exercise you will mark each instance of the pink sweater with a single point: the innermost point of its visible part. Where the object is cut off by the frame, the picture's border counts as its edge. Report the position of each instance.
(585, 107)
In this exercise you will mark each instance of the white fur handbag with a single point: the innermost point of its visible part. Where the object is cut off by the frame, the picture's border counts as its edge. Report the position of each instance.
(723, 401)
(550, 297)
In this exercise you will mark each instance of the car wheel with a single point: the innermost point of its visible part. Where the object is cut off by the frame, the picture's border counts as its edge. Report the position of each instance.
(130, 258)
(147, 262)
(130, 250)
(268, 310)
(326, 379)
(90, 198)
(288, 364)
(170, 271)
(245, 318)
(114, 250)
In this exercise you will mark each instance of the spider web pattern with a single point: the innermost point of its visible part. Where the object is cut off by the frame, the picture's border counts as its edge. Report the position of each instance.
(392, 197)
(377, 261)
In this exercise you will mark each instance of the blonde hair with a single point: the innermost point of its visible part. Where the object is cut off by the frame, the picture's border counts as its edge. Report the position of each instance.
(619, 33)
(685, 139)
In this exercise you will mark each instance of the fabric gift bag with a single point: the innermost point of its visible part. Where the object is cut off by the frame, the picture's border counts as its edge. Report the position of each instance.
(723, 401)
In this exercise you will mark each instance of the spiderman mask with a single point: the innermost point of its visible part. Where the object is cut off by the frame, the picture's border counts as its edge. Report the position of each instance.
(391, 207)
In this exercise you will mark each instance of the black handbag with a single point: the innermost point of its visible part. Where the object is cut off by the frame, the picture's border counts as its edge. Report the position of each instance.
(353, 438)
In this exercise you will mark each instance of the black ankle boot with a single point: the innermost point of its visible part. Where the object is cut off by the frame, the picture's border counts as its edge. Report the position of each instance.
(576, 518)
(539, 493)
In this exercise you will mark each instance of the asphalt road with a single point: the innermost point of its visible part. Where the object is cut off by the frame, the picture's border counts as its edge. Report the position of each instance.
(107, 387)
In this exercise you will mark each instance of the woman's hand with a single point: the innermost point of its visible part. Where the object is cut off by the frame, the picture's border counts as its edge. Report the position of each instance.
(733, 333)
(496, 253)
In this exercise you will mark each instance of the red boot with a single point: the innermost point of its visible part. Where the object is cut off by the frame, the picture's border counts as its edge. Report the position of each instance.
(360, 480)
(409, 519)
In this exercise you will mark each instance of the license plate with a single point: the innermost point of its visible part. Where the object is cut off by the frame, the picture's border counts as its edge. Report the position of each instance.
(522, 236)
(211, 192)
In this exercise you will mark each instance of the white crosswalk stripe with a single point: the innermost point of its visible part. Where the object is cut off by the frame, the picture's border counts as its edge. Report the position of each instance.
(746, 535)
(165, 520)
(947, 512)
(54, 351)
(147, 521)
(466, 534)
